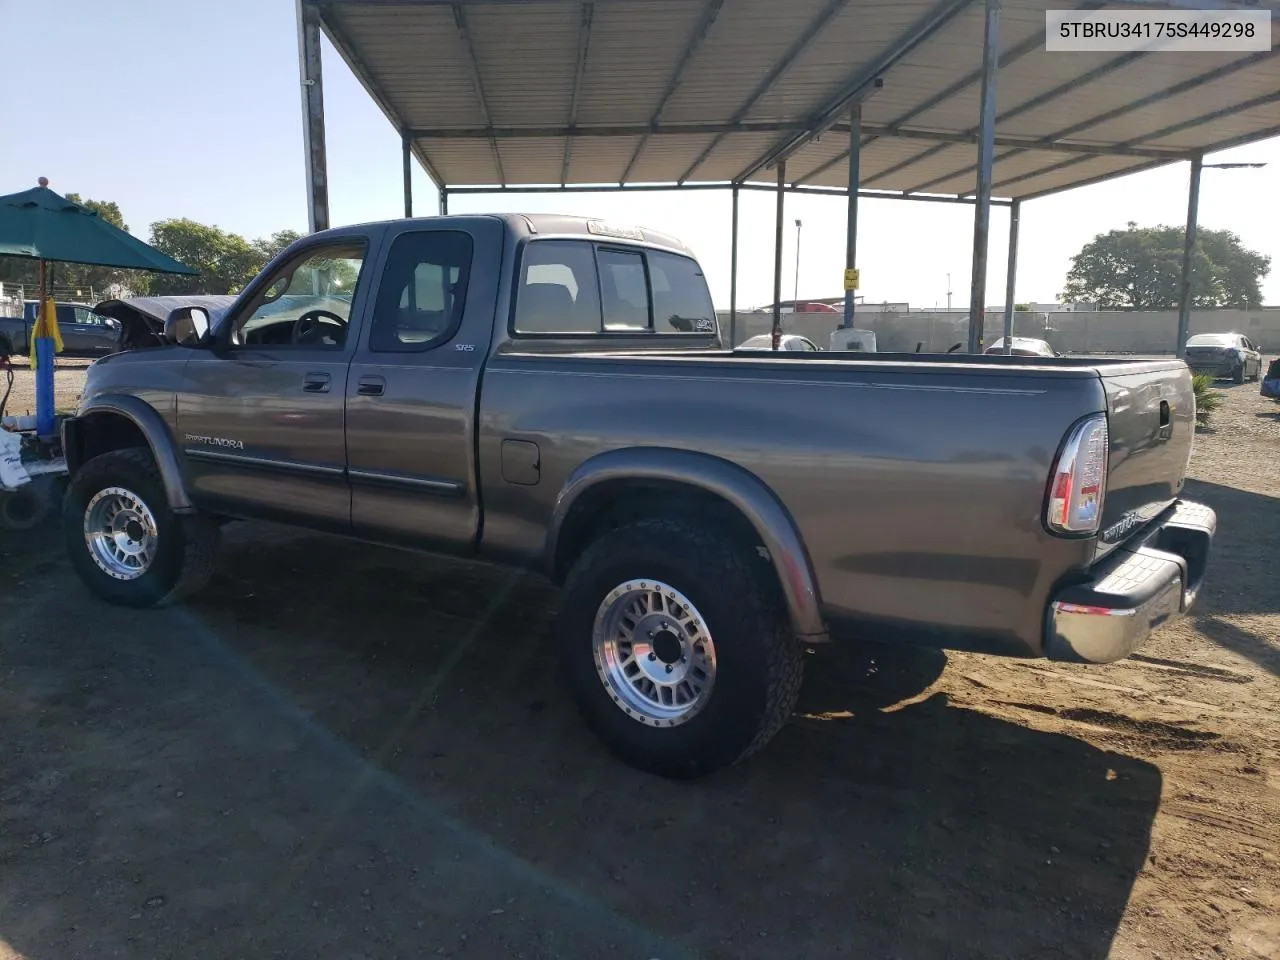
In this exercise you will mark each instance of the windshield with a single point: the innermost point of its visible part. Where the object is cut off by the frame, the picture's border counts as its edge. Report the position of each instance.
(1212, 340)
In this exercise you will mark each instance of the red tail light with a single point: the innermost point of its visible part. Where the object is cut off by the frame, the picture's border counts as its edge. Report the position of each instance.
(1077, 483)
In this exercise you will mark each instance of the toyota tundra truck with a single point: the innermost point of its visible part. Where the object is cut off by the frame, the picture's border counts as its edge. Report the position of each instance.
(553, 391)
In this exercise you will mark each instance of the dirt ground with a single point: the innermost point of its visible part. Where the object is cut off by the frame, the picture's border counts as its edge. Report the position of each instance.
(68, 381)
(344, 751)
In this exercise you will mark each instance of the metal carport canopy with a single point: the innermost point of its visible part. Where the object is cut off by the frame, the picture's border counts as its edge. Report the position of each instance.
(555, 93)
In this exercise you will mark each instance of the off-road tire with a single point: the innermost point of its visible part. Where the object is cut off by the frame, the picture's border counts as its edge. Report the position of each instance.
(759, 658)
(187, 544)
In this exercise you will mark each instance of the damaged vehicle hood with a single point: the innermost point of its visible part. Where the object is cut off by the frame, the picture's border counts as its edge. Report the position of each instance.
(142, 318)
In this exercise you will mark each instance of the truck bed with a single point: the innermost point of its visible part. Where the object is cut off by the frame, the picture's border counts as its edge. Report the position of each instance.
(909, 476)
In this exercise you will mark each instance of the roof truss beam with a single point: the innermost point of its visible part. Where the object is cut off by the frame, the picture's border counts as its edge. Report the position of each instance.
(1157, 97)
(584, 44)
(1264, 100)
(1034, 42)
(700, 30)
(1034, 103)
(767, 188)
(1026, 143)
(858, 84)
(875, 132)
(784, 64)
(460, 20)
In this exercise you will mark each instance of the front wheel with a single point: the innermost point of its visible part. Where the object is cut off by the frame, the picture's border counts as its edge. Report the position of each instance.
(677, 648)
(122, 539)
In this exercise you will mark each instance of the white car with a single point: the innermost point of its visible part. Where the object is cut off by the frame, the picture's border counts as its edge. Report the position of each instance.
(1023, 347)
(792, 342)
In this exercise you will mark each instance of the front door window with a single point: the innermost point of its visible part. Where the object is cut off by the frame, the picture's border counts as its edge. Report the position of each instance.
(307, 303)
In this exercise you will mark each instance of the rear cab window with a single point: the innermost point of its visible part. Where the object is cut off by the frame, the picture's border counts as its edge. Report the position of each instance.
(584, 287)
(423, 291)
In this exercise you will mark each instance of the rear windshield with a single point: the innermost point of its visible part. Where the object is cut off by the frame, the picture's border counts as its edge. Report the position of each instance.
(1212, 340)
(578, 287)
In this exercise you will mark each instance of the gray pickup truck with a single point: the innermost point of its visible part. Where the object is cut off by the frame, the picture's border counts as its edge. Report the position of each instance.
(552, 391)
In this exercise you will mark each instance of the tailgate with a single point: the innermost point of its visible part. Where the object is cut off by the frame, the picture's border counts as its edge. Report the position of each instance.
(1151, 422)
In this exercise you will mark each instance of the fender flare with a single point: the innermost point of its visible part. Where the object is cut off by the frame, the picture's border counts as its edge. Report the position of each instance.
(746, 492)
(153, 429)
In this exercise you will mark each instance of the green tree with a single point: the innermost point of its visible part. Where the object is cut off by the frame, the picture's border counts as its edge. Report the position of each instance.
(268, 247)
(1140, 268)
(108, 210)
(226, 261)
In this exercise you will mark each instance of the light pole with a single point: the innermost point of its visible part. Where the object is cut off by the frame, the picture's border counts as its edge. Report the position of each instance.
(1189, 244)
(948, 293)
(795, 306)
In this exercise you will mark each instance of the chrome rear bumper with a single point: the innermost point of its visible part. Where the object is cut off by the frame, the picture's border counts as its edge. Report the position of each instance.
(1138, 588)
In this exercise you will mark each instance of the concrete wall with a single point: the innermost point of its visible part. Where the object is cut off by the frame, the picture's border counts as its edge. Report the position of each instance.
(1076, 332)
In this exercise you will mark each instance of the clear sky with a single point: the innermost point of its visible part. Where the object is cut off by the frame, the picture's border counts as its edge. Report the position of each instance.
(175, 108)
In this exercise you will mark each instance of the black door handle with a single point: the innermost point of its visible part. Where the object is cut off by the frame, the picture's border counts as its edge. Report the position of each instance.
(316, 383)
(370, 386)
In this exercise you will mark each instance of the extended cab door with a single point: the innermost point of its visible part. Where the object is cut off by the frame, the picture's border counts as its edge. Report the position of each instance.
(261, 414)
(414, 382)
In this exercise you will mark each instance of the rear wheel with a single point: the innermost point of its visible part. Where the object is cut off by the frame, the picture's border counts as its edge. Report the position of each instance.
(677, 649)
(1237, 375)
(126, 544)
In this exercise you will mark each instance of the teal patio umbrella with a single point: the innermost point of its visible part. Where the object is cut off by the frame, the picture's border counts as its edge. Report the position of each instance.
(41, 225)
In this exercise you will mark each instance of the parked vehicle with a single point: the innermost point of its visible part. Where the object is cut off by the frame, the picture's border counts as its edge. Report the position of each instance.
(84, 332)
(1024, 347)
(1270, 387)
(789, 341)
(1224, 355)
(552, 390)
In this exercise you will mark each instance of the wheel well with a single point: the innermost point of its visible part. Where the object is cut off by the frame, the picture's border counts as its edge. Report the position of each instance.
(615, 503)
(100, 433)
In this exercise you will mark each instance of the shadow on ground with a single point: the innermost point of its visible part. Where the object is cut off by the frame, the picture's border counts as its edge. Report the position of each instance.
(1242, 568)
(346, 750)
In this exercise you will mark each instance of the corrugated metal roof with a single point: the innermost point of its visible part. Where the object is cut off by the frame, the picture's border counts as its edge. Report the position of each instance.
(546, 92)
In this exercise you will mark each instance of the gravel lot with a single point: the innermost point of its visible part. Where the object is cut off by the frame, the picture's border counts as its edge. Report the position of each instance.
(345, 751)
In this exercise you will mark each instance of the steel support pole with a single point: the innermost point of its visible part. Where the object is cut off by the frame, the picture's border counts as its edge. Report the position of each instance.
(733, 274)
(795, 291)
(986, 152)
(444, 201)
(1188, 257)
(776, 333)
(407, 157)
(1011, 274)
(851, 216)
(313, 114)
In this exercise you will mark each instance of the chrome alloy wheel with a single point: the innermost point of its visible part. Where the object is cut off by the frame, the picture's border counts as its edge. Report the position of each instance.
(654, 653)
(120, 532)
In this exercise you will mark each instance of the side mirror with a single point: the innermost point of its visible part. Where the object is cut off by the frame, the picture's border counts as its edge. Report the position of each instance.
(187, 326)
